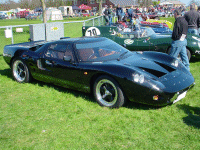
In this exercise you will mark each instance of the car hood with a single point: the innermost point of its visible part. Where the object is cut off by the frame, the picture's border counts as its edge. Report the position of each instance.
(173, 78)
(150, 66)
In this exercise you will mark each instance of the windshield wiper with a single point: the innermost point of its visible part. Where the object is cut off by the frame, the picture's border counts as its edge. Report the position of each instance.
(122, 55)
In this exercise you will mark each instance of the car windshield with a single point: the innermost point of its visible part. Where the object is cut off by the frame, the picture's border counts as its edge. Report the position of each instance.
(102, 50)
(142, 32)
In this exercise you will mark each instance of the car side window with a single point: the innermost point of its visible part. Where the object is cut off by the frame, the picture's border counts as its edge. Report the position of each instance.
(58, 51)
(69, 52)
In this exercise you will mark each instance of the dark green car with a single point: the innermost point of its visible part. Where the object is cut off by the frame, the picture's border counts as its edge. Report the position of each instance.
(144, 39)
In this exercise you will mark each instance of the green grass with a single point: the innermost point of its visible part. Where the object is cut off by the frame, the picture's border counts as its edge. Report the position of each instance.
(44, 116)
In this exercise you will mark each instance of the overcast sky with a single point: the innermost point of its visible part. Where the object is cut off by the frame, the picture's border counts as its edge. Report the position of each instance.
(184, 1)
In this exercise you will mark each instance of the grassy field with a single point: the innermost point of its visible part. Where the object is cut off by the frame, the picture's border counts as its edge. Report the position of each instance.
(44, 116)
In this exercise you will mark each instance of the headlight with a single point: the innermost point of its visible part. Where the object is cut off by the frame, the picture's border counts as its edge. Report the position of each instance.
(175, 63)
(138, 78)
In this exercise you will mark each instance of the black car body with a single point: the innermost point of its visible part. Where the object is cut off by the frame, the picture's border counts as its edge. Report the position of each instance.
(101, 66)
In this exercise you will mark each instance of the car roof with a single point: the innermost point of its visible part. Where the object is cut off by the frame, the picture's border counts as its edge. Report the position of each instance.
(82, 39)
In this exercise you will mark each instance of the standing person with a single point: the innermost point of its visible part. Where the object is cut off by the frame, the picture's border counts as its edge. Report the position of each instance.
(110, 14)
(179, 42)
(119, 12)
(193, 19)
(130, 14)
(106, 14)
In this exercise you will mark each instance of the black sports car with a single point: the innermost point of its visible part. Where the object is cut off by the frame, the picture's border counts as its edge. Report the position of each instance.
(101, 66)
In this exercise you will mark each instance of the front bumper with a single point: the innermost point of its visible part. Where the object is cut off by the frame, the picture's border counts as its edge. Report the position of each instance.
(181, 94)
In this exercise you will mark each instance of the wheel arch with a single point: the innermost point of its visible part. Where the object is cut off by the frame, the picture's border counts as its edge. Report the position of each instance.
(191, 52)
(94, 77)
(16, 55)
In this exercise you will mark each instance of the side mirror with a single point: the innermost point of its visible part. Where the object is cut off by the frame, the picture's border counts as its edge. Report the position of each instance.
(67, 58)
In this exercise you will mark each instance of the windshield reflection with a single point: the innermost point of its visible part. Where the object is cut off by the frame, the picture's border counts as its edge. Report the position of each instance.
(103, 50)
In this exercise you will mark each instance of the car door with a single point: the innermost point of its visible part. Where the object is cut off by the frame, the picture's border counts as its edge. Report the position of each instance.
(59, 65)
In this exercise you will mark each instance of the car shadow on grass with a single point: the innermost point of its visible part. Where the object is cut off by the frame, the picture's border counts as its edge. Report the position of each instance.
(194, 59)
(193, 118)
(86, 96)
(77, 94)
(6, 72)
(134, 105)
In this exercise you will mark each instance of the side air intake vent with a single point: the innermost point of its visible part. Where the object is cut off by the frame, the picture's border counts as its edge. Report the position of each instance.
(154, 72)
(168, 68)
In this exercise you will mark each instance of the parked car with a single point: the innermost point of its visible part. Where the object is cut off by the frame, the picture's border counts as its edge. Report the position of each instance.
(3, 17)
(144, 39)
(31, 16)
(101, 66)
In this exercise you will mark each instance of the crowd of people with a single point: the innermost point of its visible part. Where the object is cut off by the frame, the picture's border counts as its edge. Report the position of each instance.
(133, 11)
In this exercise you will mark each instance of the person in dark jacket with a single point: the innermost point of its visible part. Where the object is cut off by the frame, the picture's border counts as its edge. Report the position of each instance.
(179, 43)
(119, 12)
(106, 14)
(193, 19)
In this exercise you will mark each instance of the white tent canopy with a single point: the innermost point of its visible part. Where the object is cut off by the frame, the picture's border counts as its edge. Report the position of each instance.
(54, 14)
(166, 3)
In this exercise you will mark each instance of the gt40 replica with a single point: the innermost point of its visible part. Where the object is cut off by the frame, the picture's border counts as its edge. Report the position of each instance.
(143, 39)
(99, 65)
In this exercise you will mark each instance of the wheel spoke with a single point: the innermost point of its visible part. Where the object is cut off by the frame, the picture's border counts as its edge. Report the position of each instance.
(104, 96)
(22, 73)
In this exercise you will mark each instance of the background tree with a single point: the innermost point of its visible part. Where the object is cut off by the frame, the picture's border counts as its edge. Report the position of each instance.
(44, 11)
(196, 2)
(100, 6)
(10, 4)
(144, 3)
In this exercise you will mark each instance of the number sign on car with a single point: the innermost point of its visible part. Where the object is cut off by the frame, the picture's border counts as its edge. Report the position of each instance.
(92, 31)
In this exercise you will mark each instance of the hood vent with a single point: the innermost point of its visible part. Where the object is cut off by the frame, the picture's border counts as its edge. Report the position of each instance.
(154, 72)
(168, 68)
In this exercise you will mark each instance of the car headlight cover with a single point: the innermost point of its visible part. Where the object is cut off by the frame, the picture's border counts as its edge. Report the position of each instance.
(175, 63)
(138, 78)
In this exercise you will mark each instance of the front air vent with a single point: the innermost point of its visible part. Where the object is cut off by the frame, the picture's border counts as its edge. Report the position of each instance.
(168, 68)
(154, 72)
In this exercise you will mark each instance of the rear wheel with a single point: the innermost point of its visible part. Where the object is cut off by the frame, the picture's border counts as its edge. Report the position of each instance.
(107, 92)
(20, 71)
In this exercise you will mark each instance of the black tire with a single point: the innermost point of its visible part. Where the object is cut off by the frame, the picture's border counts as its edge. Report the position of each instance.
(107, 92)
(20, 71)
(188, 53)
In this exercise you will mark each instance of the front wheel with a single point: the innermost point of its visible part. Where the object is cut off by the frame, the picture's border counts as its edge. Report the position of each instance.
(20, 71)
(107, 92)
